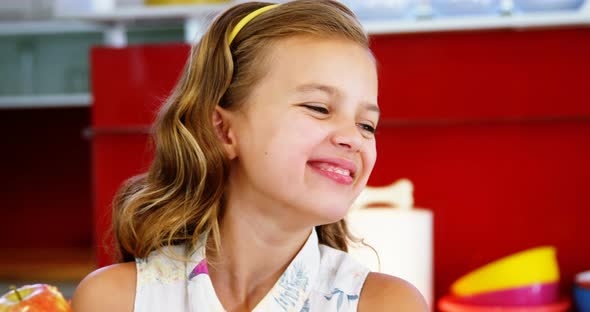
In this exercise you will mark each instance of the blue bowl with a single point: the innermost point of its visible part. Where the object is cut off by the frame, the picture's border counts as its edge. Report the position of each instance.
(582, 298)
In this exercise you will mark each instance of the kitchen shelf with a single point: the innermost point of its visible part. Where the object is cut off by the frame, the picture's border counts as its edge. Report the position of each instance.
(45, 101)
(141, 12)
(516, 21)
(197, 17)
(48, 27)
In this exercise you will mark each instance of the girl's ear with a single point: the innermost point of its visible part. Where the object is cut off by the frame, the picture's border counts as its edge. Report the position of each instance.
(222, 126)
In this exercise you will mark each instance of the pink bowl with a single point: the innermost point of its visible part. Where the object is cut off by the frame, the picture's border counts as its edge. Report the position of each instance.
(535, 294)
(450, 304)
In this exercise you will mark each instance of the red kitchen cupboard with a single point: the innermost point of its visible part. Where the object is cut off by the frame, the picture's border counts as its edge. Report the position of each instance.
(492, 127)
(128, 87)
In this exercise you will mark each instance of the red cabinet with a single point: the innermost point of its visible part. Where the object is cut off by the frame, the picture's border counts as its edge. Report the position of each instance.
(128, 86)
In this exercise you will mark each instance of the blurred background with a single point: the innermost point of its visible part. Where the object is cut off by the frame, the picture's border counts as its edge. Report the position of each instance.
(485, 103)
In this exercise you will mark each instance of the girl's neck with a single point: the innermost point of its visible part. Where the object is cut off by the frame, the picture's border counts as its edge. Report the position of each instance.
(255, 252)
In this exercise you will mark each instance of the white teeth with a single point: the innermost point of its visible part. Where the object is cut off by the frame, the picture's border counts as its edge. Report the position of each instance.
(337, 170)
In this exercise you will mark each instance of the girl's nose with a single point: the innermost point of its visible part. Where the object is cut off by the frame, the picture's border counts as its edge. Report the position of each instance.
(348, 137)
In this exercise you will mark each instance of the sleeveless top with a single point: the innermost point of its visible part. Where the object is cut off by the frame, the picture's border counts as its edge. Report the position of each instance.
(319, 278)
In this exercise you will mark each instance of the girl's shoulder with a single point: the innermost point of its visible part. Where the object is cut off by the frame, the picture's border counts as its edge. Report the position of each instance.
(378, 291)
(111, 288)
(383, 292)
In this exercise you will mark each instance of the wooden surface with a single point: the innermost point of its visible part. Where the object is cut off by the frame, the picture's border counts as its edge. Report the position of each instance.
(46, 265)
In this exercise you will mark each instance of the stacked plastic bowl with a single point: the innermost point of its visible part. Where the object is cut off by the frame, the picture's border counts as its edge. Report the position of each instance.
(582, 291)
(524, 281)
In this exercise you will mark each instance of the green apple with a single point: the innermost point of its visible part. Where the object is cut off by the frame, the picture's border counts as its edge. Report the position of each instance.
(34, 298)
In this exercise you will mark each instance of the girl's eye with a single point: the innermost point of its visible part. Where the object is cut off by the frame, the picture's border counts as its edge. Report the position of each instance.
(319, 109)
(367, 128)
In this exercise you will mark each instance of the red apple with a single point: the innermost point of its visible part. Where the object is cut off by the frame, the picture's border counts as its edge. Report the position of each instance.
(34, 298)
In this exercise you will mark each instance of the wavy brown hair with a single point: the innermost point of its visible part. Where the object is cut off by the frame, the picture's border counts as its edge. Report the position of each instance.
(181, 197)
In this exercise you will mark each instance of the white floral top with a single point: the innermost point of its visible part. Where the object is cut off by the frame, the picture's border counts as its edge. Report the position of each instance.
(319, 278)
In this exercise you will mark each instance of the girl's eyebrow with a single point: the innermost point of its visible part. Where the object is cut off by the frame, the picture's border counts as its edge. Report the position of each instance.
(332, 91)
(312, 87)
(371, 107)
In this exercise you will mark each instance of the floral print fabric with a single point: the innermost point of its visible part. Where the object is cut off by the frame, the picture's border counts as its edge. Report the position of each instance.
(319, 278)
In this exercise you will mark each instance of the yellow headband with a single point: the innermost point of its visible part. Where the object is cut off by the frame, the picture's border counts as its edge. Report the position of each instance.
(246, 20)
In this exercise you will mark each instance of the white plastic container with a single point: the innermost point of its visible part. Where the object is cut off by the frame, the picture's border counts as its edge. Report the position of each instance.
(400, 236)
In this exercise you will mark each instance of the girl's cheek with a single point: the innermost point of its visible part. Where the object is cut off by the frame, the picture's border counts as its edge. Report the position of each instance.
(370, 156)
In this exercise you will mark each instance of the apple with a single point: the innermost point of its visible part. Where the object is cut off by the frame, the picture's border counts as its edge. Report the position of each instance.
(34, 298)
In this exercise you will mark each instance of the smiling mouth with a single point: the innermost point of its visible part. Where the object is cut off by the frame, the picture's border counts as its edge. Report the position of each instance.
(335, 172)
(332, 168)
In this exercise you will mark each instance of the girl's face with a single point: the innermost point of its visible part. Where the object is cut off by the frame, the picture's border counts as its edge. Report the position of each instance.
(303, 142)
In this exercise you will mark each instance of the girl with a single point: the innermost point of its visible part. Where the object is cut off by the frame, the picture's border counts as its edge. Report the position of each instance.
(261, 149)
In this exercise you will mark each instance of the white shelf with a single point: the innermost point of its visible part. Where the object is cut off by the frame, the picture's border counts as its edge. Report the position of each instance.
(135, 13)
(45, 101)
(197, 17)
(529, 20)
(113, 24)
(48, 27)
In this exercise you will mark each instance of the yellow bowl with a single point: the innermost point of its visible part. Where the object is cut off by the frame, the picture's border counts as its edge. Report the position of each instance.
(532, 266)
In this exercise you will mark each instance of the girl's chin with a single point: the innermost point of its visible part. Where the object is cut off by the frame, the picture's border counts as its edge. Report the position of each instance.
(327, 215)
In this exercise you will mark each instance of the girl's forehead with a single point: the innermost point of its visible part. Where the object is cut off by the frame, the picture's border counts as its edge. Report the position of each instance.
(318, 57)
(303, 63)
(290, 44)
